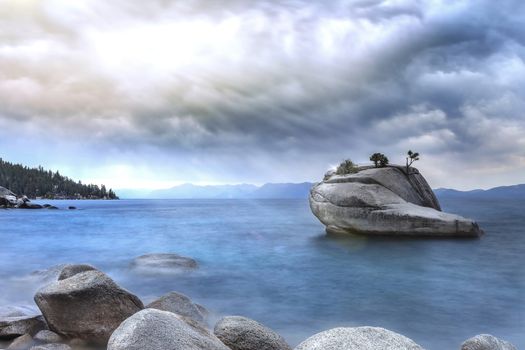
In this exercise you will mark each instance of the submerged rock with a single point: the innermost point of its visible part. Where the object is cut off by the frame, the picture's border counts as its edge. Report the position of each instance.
(152, 329)
(88, 305)
(486, 342)
(179, 304)
(359, 338)
(163, 263)
(241, 333)
(385, 201)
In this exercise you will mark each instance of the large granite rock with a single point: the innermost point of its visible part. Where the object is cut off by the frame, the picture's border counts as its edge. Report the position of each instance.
(486, 342)
(152, 329)
(385, 201)
(179, 304)
(7, 198)
(360, 338)
(17, 321)
(54, 346)
(88, 305)
(241, 333)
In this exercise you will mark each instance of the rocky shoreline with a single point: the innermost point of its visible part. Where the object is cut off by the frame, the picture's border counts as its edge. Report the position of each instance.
(83, 308)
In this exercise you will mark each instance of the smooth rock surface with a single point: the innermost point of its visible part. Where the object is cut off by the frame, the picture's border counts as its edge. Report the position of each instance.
(163, 263)
(179, 304)
(486, 342)
(152, 329)
(385, 201)
(47, 336)
(359, 338)
(88, 305)
(21, 343)
(54, 346)
(241, 333)
(70, 270)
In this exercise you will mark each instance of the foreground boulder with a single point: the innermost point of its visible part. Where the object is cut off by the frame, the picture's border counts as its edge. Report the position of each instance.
(88, 305)
(241, 333)
(486, 342)
(385, 201)
(15, 322)
(179, 304)
(163, 263)
(359, 338)
(152, 329)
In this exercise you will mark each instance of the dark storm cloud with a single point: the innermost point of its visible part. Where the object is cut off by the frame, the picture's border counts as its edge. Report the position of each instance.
(296, 85)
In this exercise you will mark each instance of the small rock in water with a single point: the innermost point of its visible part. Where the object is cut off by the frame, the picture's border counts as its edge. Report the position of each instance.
(152, 329)
(241, 333)
(163, 263)
(47, 336)
(359, 338)
(21, 343)
(72, 269)
(486, 342)
(88, 305)
(71, 208)
(179, 304)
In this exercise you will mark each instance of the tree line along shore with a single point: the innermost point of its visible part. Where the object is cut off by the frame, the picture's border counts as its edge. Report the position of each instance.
(38, 183)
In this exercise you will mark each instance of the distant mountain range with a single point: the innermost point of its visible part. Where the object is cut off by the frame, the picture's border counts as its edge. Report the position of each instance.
(242, 191)
(514, 191)
(293, 190)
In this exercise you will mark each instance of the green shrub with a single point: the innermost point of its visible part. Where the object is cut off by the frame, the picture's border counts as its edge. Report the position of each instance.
(346, 167)
(379, 159)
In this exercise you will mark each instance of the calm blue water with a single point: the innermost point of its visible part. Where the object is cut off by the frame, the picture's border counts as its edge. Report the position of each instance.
(270, 260)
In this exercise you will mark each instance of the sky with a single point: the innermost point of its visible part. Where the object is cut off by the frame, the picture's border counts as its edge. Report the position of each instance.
(150, 94)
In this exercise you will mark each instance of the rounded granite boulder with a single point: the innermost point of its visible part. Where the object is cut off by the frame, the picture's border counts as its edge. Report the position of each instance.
(385, 201)
(179, 304)
(88, 305)
(359, 338)
(486, 342)
(241, 333)
(152, 329)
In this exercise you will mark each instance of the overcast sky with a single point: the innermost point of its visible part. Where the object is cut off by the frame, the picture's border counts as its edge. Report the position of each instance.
(138, 93)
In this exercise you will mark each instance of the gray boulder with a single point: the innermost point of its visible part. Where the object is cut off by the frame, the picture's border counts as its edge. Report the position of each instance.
(55, 346)
(72, 269)
(486, 342)
(163, 263)
(241, 333)
(179, 304)
(17, 321)
(48, 337)
(23, 342)
(385, 201)
(359, 338)
(88, 305)
(152, 329)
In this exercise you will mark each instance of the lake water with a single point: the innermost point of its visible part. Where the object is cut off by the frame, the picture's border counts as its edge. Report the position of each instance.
(271, 261)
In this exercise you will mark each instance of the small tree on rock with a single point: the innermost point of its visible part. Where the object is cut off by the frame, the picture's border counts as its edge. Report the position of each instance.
(346, 167)
(411, 158)
(379, 159)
